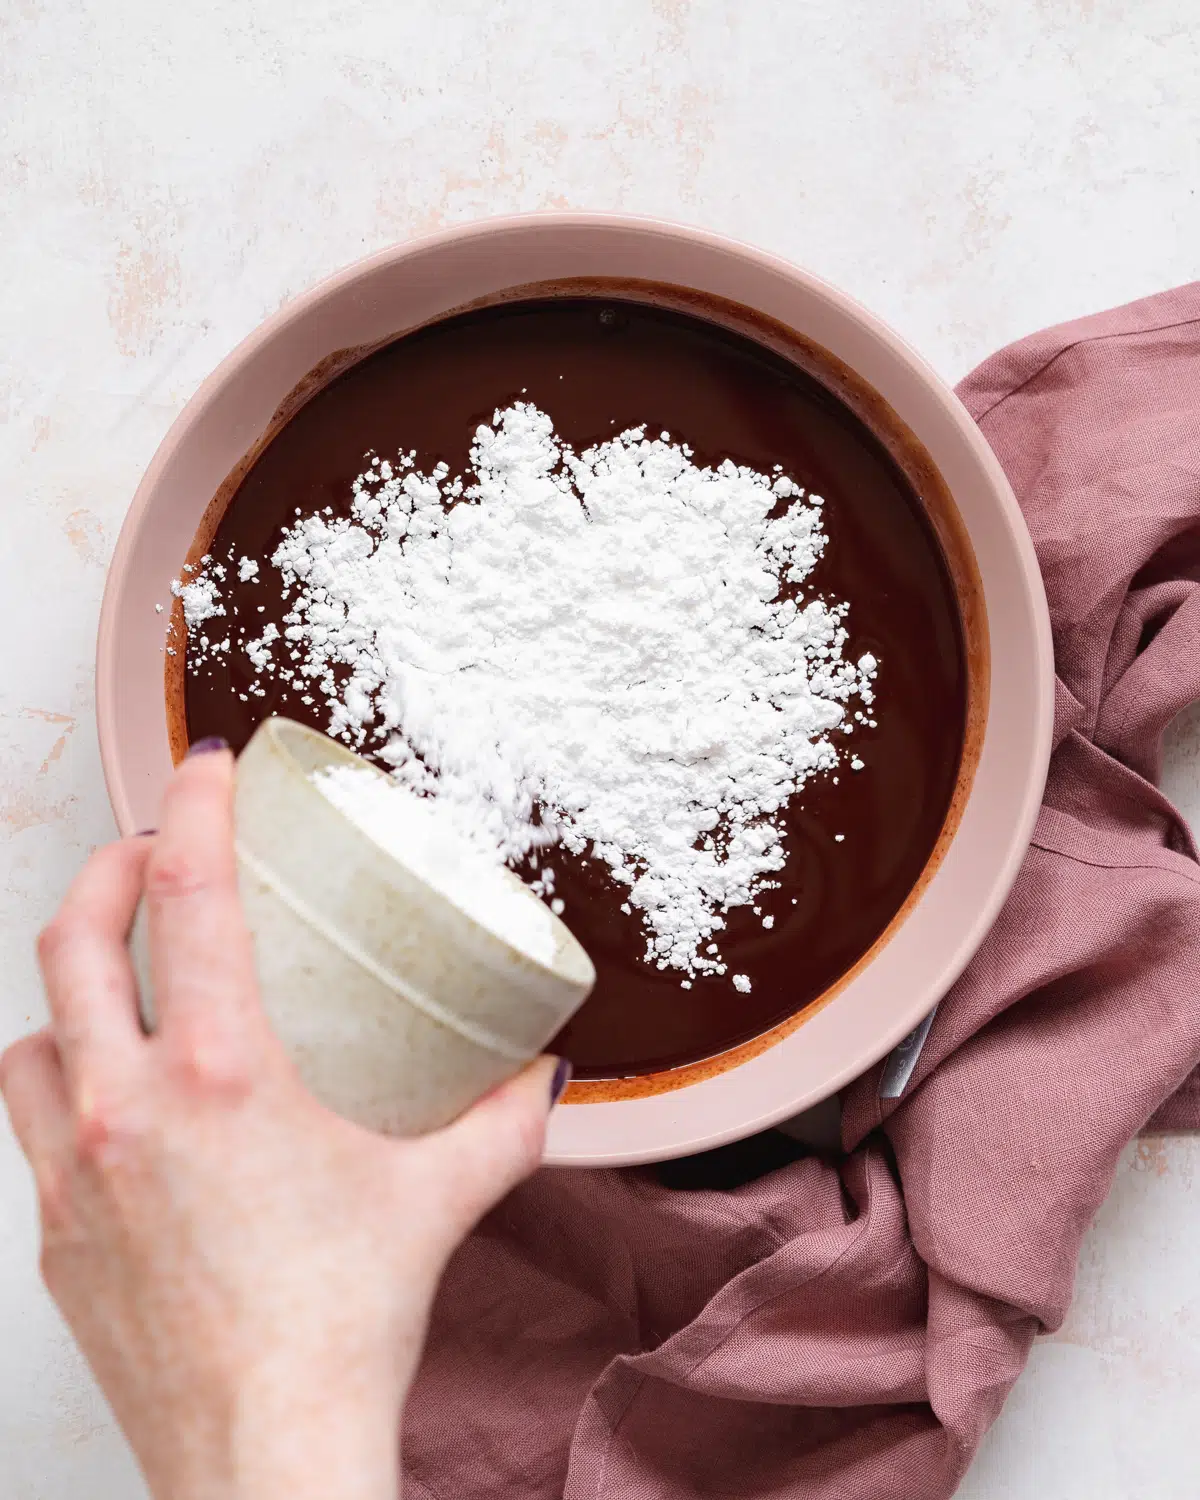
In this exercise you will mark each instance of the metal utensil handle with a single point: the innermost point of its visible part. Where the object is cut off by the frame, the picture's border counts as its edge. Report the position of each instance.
(903, 1059)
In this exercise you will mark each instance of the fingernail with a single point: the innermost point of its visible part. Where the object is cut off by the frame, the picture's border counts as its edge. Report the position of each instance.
(558, 1084)
(208, 744)
(145, 833)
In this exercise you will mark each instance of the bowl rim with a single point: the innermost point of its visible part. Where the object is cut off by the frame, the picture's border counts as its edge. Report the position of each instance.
(908, 1011)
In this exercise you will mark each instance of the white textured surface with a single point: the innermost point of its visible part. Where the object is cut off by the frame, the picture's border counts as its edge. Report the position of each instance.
(972, 169)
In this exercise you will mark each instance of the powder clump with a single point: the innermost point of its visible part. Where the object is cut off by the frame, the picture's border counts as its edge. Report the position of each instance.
(607, 649)
(200, 599)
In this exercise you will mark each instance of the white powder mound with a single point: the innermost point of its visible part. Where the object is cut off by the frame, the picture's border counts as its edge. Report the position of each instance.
(426, 836)
(588, 647)
(201, 599)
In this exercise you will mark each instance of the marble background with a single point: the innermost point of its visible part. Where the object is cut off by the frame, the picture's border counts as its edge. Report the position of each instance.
(971, 169)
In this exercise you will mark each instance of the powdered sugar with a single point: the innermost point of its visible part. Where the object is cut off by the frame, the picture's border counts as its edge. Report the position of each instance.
(428, 837)
(259, 650)
(592, 648)
(200, 598)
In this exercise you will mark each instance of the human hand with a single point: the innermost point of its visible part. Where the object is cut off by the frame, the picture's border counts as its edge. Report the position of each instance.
(249, 1275)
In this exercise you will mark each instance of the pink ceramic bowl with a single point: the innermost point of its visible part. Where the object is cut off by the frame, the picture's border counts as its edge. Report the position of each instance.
(991, 558)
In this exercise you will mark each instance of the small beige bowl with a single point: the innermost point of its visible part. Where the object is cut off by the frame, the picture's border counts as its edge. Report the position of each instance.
(397, 1007)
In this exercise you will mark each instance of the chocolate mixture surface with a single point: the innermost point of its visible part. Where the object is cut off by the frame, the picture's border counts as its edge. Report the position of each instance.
(598, 367)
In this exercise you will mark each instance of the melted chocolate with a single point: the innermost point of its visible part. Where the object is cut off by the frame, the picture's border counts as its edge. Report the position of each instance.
(598, 367)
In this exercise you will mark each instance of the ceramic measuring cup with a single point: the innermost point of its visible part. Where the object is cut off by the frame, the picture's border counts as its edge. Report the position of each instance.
(398, 1009)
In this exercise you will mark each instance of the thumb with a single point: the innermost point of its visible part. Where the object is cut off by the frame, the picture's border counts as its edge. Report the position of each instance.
(498, 1142)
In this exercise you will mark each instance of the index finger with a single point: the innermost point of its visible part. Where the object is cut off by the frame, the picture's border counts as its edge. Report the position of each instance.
(201, 958)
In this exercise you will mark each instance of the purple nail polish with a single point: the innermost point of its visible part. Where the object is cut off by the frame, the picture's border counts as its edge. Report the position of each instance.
(562, 1076)
(207, 745)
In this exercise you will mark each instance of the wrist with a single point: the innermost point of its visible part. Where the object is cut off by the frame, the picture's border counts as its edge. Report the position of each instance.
(323, 1446)
(295, 1440)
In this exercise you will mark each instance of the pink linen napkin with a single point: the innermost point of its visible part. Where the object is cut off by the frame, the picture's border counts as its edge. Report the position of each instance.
(752, 1324)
